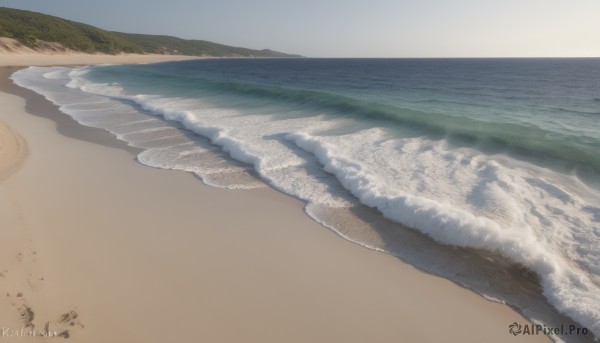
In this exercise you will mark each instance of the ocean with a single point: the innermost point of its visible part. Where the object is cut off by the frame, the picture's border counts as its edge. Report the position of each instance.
(483, 171)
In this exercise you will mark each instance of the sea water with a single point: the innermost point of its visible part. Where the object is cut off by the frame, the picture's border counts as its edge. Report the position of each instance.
(484, 171)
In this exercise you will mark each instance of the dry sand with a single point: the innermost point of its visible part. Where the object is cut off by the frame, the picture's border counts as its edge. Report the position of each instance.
(113, 251)
(48, 59)
(13, 151)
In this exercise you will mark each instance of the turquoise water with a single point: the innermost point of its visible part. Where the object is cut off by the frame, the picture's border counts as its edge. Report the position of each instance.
(548, 108)
(494, 157)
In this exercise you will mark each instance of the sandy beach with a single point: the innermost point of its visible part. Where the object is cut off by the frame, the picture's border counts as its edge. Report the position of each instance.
(38, 59)
(99, 248)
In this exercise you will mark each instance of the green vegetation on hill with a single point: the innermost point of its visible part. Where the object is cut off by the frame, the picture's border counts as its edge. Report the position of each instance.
(174, 45)
(29, 27)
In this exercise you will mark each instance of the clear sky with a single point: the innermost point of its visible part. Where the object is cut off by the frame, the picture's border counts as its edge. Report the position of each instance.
(355, 28)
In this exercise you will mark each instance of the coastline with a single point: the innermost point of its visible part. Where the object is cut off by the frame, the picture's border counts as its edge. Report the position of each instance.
(39, 59)
(158, 249)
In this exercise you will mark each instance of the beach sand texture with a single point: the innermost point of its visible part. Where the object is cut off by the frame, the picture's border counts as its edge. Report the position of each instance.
(99, 248)
(13, 151)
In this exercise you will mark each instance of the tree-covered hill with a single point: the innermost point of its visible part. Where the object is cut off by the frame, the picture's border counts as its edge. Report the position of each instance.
(31, 27)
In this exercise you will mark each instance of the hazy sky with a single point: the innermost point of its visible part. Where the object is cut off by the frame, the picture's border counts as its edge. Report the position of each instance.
(355, 28)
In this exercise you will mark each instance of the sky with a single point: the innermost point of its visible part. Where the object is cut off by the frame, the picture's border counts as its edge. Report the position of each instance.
(355, 28)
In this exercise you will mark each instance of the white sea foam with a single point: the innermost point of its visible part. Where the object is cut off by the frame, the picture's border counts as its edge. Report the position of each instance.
(544, 220)
(463, 198)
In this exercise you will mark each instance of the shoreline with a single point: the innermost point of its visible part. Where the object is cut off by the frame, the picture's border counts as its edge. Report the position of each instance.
(170, 245)
(39, 59)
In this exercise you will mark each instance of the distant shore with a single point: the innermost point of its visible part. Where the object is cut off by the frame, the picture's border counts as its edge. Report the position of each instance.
(108, 250)
(45, 59)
